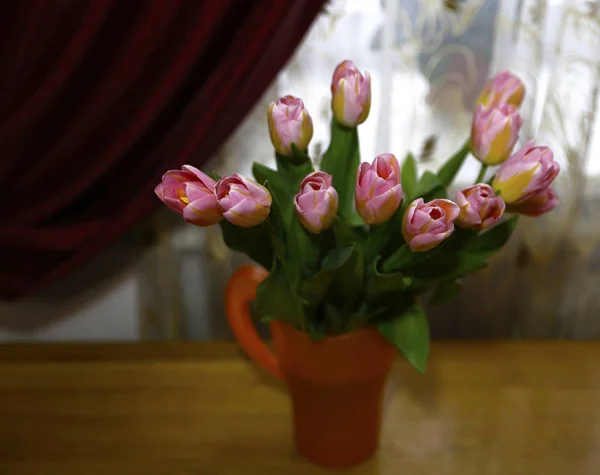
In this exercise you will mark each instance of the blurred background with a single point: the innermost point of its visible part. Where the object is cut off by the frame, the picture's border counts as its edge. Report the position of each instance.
(163, 279)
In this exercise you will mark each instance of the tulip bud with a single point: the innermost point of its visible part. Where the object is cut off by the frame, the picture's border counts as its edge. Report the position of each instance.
(378, 191)
(289, 123)
(494, 133)
(351, 94)
(243, 202)
(425, 225)
(503, 88)
(527, 172)
(342, 70)
(541, 202)
(479, 207)
(317, 202)
(190, 193)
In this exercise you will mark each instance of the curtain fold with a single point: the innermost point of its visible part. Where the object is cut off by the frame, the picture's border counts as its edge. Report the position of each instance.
(99, 98)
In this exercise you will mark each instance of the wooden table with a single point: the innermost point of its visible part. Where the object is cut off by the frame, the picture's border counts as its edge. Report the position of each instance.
(203, 409)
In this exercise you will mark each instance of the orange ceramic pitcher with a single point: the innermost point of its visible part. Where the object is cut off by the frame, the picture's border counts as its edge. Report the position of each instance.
(336, 384)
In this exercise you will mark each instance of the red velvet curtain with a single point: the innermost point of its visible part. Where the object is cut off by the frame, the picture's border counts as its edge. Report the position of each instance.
(99, 97)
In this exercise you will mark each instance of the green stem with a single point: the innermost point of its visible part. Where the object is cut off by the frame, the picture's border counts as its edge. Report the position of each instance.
(482, 172)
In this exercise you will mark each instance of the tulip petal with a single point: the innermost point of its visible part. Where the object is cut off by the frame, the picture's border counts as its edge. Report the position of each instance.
(202, 212)
(494, 132)
(540, 203)
(420, 219)
(450, 208)
(425, 242)
(166, 196)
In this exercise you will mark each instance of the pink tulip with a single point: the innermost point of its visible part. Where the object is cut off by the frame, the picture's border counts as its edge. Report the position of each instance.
(190, 193)
(494, 133)
(378, 190)
(243, 202)
(503, 88)
(537, 204)
(289, 123)
(351, 94)
(479, 207)
(317, 202)
(345, 68)
(525, 174)
(425, 225)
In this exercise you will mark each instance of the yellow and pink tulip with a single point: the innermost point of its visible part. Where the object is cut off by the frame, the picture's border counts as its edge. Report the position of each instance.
(538, 204)
(190, 193)
(479, 207)
(378, 190)
(503, 88)
(289, 123)
(524, 180)
(426, 225)
(495, 132)
(317, 202)
(242, 201)
(351, 94)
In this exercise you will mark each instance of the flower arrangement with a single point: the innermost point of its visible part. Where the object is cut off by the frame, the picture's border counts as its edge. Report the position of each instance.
(358, 244)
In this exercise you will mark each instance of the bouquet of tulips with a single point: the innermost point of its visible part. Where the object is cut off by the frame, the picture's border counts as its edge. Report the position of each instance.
(355, 244)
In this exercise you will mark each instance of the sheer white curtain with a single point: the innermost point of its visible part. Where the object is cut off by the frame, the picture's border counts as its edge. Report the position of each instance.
(429, 60)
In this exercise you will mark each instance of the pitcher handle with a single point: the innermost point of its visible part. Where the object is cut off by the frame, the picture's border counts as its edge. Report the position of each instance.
(240, 292)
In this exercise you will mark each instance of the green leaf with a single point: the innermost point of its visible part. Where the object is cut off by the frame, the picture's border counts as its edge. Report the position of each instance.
(490, 241)
(347, 286)
(303, 249)
(376, 239)
(264, 174)
(449, 260)
(400, 258)
(458, 239)
(428, 182)
(337, 257)
(350, 275)
(344, 234)
(315, 288)
(409, 332)
(403, 258)
(275, 299)
(430, 187)
(283, 183)
(467, 264)
(274, 227)
(409, 177)
(446, 291)
(395, 239)
(341, 160)
(464, 254)
(440, 257)
(379, 284)
(214, 175)
(255, 242)
(448, 266)
(450, 169)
